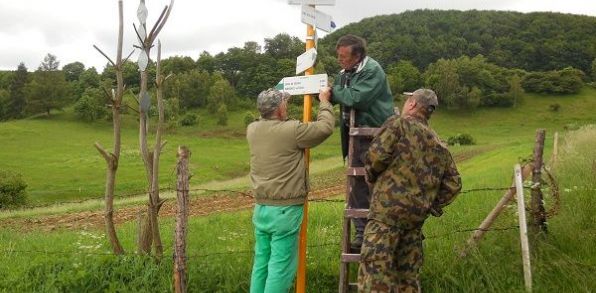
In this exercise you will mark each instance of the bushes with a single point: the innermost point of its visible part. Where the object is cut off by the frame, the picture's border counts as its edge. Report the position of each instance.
(90, 106)
(249, 117)
(565, 81)
(189, 119)
(461, 139)
(12, 190)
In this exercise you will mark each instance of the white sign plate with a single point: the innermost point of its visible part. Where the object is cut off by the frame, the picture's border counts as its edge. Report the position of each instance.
(306, 60)
(303, 85)
(317, 18)
(312, 2)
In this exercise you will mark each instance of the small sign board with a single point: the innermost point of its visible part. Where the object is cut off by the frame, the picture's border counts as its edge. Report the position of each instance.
(306, 60)
(317, 18)
(303, 85)
(312, 2)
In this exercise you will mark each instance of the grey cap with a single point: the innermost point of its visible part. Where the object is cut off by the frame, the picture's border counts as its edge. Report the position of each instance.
(426, 97)
(269, 100)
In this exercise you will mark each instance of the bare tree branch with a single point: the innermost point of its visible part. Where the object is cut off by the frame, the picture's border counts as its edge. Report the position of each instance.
(103, 152)
(138, 35)
(129, 107)
(104, 54)
(152, 34)
(126, 59)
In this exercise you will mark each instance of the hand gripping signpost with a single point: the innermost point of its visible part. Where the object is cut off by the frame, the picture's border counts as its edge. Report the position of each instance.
(310, 18)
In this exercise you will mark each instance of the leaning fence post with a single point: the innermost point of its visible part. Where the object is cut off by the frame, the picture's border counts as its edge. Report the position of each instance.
(537, 203)
(182, 188)
(523, 229)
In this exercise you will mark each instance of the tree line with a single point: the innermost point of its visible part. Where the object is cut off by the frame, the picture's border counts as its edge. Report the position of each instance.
(471, 58)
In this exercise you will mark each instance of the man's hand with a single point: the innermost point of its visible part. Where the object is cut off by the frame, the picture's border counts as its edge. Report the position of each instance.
(325, 94)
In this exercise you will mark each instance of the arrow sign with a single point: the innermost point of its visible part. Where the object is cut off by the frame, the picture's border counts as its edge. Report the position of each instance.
(317, 18)
(303, 85)
(306, 60)
(312, 2)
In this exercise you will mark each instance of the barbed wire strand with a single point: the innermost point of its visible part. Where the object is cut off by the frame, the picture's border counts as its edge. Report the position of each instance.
(242, 192)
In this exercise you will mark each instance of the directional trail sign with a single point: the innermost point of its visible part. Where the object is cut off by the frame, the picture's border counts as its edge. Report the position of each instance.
(317, 18)
(312, 2)
(306, 60)
(303, 85)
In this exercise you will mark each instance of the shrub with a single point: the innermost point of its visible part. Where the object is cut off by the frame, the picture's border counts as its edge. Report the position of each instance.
(89, 108)
(222, 115)
(189, 119)
(497, 100)
(565, 81)
(461, 139)
(12, 190)
(249, 117)
(554, 107)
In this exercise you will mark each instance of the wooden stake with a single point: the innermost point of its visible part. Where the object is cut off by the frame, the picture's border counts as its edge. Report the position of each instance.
(537, 203)
(555, 154)
(182, 188)
(523, 229)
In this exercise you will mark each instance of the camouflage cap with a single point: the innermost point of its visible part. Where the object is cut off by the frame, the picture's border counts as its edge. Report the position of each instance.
(269, 100)
(426, 97)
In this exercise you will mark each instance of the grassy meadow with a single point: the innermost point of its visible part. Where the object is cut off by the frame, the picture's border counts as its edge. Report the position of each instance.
(57, 158)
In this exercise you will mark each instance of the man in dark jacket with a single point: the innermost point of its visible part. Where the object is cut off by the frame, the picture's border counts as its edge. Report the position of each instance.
(361, 85)
(414, 175)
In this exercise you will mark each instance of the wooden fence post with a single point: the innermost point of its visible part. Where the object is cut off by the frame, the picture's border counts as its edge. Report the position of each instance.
(523, 229)
(537, 203)
(182, 189)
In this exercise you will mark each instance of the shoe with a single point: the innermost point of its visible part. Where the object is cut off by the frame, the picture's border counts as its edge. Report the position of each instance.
(356, 244)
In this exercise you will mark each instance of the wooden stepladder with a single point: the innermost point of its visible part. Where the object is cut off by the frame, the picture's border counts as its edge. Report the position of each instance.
(347, 256)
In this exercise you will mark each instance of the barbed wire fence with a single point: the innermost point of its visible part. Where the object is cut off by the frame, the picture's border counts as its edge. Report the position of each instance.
(248, 194)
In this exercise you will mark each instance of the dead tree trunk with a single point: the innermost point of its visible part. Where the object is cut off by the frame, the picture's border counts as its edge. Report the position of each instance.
(112, 159)
(151, 157)
(182, 189)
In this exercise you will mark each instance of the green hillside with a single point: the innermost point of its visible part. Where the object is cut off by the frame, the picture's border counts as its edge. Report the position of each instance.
(532, 41)
(57, 159)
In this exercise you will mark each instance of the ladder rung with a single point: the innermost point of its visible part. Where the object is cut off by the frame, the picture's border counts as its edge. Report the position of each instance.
(356, 213)
(353, 286)
(350, 257)
(355, 171)
(364, 131)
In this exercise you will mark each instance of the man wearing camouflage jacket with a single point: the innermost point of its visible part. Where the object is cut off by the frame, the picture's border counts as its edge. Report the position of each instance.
(413, 175)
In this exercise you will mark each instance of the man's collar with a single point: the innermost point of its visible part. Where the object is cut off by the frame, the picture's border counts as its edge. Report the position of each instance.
(358, 67)
(417, 117)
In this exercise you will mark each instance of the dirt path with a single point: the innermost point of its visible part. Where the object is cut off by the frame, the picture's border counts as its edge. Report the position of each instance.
(199, 206)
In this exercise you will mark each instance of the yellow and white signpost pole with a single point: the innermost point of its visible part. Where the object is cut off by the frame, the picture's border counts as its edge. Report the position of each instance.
(307, 116)
(311, 18)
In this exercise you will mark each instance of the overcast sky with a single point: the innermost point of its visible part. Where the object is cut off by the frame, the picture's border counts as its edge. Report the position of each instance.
(29, 29)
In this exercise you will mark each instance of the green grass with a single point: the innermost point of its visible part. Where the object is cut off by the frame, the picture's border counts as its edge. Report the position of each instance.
(59, 163)
(219, 246)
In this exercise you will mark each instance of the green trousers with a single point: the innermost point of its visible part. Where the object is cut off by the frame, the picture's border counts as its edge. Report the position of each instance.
(276, 247)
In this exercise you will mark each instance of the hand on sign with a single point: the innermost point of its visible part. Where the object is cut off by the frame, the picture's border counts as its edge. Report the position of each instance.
(325, 94)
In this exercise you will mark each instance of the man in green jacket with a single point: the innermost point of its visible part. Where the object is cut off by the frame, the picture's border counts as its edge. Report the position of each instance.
(280, 182)
(361, 85)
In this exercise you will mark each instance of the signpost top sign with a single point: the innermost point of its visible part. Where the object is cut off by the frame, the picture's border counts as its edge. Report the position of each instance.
(312, 2)
(317, 18)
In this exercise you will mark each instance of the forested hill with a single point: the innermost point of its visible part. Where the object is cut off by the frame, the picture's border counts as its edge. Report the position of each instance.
(533, 41)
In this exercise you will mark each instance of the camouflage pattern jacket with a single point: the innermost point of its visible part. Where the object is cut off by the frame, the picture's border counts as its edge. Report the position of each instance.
(412, 171)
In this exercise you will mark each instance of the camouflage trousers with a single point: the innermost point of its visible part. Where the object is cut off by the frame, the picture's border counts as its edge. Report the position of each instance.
(391, 258)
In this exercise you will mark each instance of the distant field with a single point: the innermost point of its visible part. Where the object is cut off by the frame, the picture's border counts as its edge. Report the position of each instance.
(57, 158)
